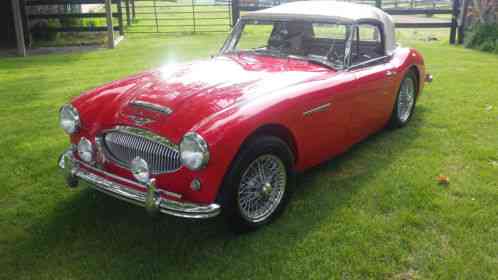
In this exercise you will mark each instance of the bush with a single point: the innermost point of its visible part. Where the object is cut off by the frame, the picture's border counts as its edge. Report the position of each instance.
(483, 37)
(43, 31)
(70, 22)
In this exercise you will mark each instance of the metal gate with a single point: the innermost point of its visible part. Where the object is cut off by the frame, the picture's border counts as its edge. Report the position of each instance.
(181, 16)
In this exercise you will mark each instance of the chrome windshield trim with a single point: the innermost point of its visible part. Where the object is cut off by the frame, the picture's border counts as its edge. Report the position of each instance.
(237, 31)
(151, 106)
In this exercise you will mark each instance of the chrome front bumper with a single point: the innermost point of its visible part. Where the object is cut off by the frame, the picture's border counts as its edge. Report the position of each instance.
(147, 196)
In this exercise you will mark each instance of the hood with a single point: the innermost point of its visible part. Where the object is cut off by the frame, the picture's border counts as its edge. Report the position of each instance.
(179, 96)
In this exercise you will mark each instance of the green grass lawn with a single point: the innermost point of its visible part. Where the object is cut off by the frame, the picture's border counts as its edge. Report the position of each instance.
(374, 212)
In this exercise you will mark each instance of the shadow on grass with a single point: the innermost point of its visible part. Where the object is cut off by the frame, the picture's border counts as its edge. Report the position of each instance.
(91, 235)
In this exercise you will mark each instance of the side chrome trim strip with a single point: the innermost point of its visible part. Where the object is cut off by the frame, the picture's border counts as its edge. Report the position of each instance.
(320, 108)
(151, 106)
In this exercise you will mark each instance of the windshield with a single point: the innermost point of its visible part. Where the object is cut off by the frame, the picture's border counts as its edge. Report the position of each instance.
(322, 43)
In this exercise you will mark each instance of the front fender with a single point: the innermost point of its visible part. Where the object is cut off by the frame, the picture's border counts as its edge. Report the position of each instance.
(226, 132)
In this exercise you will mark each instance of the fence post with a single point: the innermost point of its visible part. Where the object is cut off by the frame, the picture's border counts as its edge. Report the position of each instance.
(454, 15)
(133, 9)
(462, 21)
(193, 16)
(110, 28)
(120, 18)
(16, 11)
(155, 16)
(128, 18)
(235, 12)
(25, 23)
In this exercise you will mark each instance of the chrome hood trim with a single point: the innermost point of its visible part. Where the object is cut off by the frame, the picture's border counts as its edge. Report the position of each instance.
(152, 107)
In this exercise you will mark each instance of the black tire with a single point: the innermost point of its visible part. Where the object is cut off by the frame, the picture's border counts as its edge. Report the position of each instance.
(396, 121)
(229, 194)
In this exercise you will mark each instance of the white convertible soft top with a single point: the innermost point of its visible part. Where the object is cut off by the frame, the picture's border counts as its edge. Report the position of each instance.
(330, 11)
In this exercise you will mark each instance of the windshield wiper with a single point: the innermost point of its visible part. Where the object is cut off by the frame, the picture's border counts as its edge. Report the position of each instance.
(275, 53)
(317, 61)
(259, 51)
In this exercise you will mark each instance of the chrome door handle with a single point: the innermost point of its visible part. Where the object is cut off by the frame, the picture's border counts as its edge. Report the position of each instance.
(390, 73)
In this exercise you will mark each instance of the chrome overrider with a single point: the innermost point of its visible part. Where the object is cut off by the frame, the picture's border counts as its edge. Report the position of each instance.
(149, 198)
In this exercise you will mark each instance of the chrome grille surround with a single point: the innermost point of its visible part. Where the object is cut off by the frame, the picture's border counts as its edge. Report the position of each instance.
(124, 143)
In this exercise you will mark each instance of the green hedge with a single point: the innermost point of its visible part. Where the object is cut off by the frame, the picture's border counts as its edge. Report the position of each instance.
(483, 37)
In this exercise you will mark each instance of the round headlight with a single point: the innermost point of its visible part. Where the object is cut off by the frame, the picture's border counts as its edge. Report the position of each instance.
(85, 150)
(140, 170)
(194, 151)
(69, 119)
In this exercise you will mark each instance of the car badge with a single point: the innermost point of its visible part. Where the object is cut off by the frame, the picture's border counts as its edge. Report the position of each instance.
(140, 120)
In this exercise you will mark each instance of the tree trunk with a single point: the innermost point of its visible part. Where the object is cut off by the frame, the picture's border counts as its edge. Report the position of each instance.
(477, 7)
(486, 9)
(489, 9)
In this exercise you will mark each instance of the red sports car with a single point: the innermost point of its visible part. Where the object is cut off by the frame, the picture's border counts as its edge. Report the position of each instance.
(293, 86)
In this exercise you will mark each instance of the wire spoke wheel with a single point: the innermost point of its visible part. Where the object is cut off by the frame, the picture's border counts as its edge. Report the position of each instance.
(406, 99)
(262, 187)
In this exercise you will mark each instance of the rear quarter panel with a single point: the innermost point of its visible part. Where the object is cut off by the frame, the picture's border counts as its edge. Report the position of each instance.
(405, 59)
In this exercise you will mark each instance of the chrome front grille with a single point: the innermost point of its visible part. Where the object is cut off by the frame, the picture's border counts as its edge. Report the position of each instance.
(124, 144)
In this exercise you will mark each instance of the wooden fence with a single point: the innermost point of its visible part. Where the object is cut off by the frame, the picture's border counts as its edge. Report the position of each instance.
(182, 16)
(75, 26)
(427, 8)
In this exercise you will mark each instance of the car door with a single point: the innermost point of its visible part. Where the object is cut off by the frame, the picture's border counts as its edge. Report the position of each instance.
(374, 76)
(324, 118)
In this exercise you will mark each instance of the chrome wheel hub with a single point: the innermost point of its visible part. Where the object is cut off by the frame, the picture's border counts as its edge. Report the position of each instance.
(261, 188)
(267, 189)
(406, 99)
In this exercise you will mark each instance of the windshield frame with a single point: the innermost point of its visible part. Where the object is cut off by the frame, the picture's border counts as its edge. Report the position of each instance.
(234, 37)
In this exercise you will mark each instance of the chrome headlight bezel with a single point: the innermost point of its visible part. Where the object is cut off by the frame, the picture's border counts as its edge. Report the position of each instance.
(194, 151)
(86, 151)
(69, 119)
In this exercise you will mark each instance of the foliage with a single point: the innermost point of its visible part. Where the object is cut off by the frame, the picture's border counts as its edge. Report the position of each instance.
(43, 30)
(44, 37)
(70, 22)
(483, 37)
(376, 212)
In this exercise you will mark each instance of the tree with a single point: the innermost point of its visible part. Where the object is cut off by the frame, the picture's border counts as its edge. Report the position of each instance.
(487, 10)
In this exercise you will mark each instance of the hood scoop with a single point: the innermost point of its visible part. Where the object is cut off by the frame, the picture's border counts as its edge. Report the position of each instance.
(141, 113)
(144, 105)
